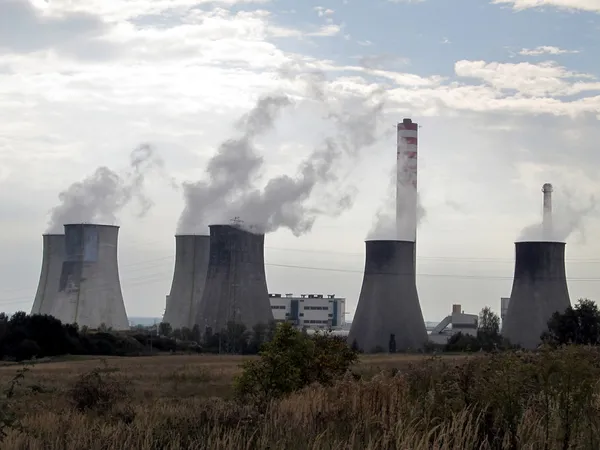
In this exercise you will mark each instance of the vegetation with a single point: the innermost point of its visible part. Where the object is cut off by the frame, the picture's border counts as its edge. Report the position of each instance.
(487, 337)
(303, 392)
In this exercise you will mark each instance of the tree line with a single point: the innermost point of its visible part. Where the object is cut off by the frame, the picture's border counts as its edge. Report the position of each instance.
(24, 336)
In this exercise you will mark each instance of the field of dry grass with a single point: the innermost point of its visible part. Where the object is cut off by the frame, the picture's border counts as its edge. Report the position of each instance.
(178, 402)
(159, 389)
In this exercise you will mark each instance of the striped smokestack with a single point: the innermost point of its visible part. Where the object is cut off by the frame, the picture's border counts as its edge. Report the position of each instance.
(406, 181)
(547, 229)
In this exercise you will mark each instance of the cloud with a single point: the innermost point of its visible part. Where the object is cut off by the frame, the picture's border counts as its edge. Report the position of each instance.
(583, 5)
(24, 29)
(536, 80)
(545, 50)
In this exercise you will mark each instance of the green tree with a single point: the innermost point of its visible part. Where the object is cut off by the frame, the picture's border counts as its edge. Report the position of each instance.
(164, 329)
(576, 325)
(489, 322)
(291, 361)
(488, 329)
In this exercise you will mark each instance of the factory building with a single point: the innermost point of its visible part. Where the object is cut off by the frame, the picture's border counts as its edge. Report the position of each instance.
(456, 322)
(316, 311)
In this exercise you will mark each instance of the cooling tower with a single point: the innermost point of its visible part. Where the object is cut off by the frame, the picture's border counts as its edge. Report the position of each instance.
(52, 261)
(388, 302)
(89, 291)
(236, 286)
(539, 289)
(189, 277)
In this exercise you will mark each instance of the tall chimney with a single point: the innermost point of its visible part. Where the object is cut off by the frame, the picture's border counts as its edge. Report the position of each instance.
(236, 285)
(89, 291)
(406, 181)
(189, 278)
(547, 230)
(539, 290)
(388, 302)
(52, 259)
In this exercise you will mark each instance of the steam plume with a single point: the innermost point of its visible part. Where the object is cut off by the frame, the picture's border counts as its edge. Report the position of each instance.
(384, 225)
(568, 216)
(100, 196)
(283, 201)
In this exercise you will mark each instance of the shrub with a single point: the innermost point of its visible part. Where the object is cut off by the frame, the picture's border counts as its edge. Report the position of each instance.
(96, 390)
(291, 361)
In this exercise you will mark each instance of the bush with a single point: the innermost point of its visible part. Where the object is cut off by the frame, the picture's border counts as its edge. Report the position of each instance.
(97, 391)
(291, 361)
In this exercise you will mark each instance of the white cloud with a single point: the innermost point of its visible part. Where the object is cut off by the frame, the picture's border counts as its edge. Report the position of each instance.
(322, 11)
(180, 80)
(584, 5)
(535, 80)
(545, 50)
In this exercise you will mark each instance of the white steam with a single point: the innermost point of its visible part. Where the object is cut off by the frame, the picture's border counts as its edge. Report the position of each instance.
(230, 189)
(100, 196)
(568, 216)
(385, 226)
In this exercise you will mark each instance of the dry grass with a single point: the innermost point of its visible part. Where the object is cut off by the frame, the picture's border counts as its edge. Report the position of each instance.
(180, 402)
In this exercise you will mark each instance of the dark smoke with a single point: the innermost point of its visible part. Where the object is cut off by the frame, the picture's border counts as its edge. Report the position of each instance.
(284, 200)
(100, 196)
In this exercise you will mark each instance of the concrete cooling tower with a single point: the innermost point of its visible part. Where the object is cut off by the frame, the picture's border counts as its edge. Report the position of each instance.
(191, 264)
(388, 302)
(52, 261)
(539, 289)
(236, 285)
(89, 291)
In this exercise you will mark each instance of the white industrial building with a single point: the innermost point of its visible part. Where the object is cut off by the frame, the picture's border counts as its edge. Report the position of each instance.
(315, 311)
(456, 322)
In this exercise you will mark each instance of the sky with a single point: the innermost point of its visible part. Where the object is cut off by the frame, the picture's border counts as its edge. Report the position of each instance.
(506, 93)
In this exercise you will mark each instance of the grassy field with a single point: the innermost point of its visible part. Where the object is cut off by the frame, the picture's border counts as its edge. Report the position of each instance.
(406, 402)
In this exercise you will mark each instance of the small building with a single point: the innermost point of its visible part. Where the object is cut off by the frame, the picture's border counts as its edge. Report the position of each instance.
(456, 322)
(314, 311)
(503, 307)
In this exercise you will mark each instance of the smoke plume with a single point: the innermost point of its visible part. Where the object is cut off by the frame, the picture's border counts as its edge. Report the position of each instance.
(384, 225)
(283, 201)
(568, 216)
(100, 196)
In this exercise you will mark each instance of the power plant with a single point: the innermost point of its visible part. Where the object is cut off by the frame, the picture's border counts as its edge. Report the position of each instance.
(53, 256)
(220, 278)
(189, 278)
(539, 290)
(89, 290)
(388, 307)
(236, 285)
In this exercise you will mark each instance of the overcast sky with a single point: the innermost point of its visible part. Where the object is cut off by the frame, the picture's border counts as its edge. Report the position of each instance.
(506, 93)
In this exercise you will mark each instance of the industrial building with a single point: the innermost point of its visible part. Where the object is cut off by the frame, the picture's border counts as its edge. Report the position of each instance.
(53, 256)
(388, 308)
(236, 285)
(309, 310)
(189, 278)
(89, 290)
(456, 322)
